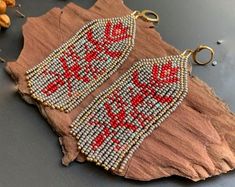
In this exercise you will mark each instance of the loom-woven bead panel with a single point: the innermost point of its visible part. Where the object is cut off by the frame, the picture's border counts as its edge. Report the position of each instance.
(81, 64)
(112, 127)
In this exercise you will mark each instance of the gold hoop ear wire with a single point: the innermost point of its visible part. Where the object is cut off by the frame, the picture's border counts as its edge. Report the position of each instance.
(188, 52)
(145, 14)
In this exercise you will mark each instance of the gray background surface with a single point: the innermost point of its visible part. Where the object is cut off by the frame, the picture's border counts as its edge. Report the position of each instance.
(30, 153)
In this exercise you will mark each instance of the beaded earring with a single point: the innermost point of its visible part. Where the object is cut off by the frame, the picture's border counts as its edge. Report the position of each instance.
(81, 64)
(114, 125)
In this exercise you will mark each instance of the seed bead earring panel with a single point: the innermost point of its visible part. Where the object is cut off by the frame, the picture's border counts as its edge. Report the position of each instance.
(81, 64)
(113, 126)
(84, 62)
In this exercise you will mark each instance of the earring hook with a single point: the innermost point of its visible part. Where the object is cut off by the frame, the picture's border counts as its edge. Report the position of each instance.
(145, 14)
(188, 52)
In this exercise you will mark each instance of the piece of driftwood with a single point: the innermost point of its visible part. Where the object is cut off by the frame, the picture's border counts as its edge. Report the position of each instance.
(197, 141)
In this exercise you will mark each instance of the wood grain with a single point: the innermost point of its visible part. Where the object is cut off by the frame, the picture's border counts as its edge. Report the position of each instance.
(197, 141)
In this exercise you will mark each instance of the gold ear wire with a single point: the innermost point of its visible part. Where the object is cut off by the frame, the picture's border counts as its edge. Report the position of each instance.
(200, 48)
(145, 14)
(188, 52)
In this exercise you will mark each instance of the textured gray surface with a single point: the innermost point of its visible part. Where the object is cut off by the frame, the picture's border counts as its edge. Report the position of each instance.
(30, 152)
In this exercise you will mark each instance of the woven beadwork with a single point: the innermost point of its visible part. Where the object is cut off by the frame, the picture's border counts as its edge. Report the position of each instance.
(113, 126)
(81, 64)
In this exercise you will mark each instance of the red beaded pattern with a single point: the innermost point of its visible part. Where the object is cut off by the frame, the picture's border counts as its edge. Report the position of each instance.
(113, 126)
(81, 64)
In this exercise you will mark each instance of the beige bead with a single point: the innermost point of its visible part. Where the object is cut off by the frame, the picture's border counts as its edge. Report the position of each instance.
(10, 3)
(3, 7)
(5, 21)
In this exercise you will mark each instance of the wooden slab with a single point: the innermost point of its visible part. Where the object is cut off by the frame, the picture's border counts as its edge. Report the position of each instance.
(197, 141)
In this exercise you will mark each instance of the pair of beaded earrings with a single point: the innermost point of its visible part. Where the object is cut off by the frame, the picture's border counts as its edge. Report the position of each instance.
(113, 126)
